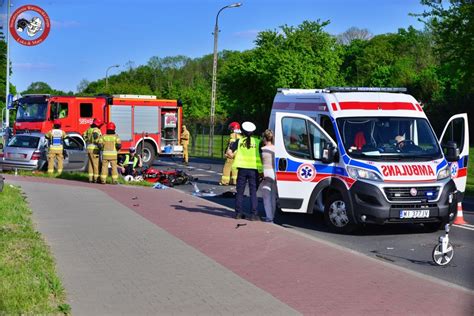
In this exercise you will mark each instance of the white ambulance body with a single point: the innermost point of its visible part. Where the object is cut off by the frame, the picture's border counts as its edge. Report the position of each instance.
(366, 155)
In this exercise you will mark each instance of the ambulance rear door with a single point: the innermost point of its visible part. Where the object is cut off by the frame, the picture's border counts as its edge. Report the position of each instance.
(300, 159)
(455, 138)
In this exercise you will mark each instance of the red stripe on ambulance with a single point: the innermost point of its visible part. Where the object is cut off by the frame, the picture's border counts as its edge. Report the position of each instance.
(377, 106)
(292, 176)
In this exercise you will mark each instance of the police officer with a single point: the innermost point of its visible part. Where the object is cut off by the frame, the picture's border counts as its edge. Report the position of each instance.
(185, 142)
(109, 144)
(130, 163)
(229, 174)
(56, 138)
(246, 153)
(91, 136)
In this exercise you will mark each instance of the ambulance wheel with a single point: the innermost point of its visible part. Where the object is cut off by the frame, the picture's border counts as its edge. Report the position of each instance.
(148, 153)
(337, 215)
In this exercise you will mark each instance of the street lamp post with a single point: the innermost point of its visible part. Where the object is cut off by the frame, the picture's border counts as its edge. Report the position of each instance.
(214, 77)
(107, 75)
(7, 83)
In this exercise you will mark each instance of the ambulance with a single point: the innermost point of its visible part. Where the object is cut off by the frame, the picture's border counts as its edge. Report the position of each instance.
(366, 156)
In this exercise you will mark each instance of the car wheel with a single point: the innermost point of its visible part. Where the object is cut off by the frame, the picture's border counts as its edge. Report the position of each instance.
(337, 214)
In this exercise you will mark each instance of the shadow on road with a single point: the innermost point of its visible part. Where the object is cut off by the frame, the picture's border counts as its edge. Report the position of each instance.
(316, 222)
(390, 258)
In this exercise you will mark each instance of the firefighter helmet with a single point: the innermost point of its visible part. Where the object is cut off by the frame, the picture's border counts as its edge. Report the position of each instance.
(234, 126)
(57, 122)
(97, 122)
(111, 126)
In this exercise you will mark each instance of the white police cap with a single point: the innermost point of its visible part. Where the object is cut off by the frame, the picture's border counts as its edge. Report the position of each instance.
(248, 127)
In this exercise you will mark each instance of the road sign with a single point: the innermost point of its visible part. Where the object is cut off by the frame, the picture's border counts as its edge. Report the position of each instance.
(10, 102)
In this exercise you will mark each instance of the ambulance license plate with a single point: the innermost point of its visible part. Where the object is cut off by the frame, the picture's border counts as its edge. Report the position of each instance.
(415, 214)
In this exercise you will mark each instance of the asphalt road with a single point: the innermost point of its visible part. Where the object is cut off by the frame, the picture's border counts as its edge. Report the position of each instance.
(409, 246)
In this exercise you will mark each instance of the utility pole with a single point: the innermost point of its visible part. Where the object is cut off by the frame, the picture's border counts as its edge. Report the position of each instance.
(214, 78)
(7, 92)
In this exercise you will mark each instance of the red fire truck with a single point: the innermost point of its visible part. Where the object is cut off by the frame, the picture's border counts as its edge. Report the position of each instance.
(151, 125)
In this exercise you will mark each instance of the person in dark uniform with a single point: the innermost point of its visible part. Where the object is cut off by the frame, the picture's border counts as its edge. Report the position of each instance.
(246, 153)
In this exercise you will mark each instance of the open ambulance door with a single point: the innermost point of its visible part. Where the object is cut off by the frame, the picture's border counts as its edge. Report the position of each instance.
(303, 155)
(455, 143)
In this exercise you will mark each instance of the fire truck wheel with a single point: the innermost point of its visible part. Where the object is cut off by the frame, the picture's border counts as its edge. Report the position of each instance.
(148, 155)
(337, 215)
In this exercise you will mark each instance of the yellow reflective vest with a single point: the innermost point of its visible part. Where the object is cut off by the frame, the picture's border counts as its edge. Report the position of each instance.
(248, 158)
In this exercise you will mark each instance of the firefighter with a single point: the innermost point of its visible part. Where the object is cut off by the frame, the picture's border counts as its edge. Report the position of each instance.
(246, 153)
(109, 144)
(229, 174)
(56, 138)
(91, 136)
(185, 142)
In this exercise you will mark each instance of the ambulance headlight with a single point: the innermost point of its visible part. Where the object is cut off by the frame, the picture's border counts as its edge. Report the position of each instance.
(444, 173)
(358, 173)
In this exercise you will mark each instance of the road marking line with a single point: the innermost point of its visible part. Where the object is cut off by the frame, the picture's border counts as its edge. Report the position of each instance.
(464, 227)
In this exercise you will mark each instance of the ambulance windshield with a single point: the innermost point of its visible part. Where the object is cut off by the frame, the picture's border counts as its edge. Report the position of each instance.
(31, 112)
(388, 138)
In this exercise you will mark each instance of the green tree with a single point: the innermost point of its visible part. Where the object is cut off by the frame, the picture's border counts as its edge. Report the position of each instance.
(298, 57)
(40, 87)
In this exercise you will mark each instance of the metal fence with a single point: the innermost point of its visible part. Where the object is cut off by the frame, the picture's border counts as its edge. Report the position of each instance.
(199, 144)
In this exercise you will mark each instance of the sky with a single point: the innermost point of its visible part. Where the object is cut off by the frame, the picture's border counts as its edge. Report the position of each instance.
(88, 36)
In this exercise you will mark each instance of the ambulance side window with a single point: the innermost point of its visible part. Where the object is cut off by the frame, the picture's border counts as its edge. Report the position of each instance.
(455, 133)
(318, 141)
(295, 137)
(326, 124)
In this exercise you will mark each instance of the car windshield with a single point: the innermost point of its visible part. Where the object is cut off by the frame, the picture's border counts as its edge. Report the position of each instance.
(31, 112)
(388, 138)
(24, 141)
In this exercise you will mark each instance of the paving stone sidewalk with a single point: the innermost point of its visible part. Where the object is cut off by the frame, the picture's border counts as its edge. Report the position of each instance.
(114, 261)
(135, 250)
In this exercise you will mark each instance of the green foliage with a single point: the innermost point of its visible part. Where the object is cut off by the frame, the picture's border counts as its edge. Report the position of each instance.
(40, 87)
(298, 57)
(451, 24)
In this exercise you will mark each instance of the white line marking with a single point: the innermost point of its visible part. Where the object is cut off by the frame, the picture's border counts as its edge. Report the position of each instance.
(464, 227)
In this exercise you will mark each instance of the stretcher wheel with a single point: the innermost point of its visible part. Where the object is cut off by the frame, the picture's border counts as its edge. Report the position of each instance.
(440, 258)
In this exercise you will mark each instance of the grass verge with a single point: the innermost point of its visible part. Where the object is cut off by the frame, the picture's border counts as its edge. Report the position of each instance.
(28, 280)
(78, 176)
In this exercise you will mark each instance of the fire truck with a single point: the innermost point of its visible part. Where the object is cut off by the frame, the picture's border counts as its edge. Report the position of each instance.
(151, 125)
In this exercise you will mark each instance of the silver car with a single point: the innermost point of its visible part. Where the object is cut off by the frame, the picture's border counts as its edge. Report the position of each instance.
(29, 151)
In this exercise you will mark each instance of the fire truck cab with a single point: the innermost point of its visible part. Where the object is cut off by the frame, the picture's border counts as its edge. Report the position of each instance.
(151, 125)
(366, 155)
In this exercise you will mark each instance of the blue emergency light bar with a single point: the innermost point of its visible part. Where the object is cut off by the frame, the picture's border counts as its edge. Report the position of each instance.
(365, 89)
